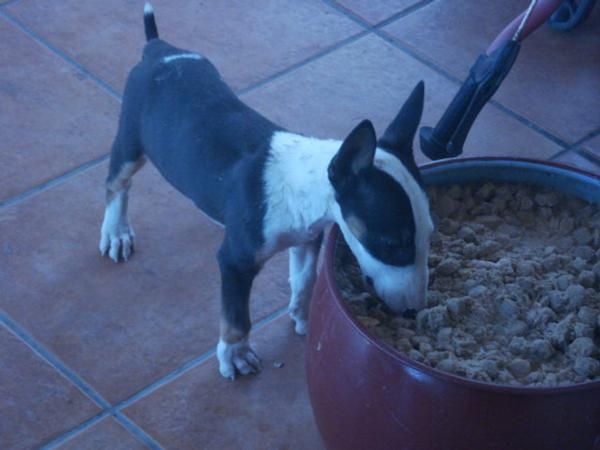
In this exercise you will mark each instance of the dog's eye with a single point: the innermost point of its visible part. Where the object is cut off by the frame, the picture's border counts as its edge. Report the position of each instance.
(392, 246)
(392, 250)
(397, 244)
(408, 241)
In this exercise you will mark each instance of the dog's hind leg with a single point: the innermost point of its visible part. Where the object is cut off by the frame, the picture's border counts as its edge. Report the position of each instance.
(303, 273)
(116, 235)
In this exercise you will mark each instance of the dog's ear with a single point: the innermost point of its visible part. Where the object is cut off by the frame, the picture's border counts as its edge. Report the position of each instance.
(398, 137)
(355, 154)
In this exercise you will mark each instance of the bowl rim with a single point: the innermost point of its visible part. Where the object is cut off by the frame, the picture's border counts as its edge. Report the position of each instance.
(329, 277)
(524, 162)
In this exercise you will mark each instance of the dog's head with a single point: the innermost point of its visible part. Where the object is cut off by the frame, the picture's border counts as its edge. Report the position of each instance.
(383, 209)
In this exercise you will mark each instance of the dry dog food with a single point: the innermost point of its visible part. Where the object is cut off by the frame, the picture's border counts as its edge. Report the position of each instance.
(514, 293)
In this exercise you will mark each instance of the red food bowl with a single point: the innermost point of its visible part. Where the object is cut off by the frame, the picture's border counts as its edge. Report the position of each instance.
(366, 395)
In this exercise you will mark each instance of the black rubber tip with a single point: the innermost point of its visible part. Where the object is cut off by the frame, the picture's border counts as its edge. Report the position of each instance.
(430, 147)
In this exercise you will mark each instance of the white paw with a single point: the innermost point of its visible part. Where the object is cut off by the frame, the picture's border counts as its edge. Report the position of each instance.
(116, 236)
(300, 326)
(117, 242)
(298, 315)
(235, 358)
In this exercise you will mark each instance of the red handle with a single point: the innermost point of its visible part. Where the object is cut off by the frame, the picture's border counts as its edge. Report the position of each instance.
(541, 12)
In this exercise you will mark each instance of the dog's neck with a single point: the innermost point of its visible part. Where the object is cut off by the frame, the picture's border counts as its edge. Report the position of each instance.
(300, 198)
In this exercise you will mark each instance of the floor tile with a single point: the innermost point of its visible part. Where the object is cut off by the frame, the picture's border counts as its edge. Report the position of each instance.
(375, 11)
(270, 410)
(329, 96)
(247, 41)
(106, 434)
(36, 402)
(573, 158)
(555, 81)
(52, 117)
(120, 326)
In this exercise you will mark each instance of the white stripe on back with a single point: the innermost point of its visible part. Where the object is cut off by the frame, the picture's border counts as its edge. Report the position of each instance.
(170, 58)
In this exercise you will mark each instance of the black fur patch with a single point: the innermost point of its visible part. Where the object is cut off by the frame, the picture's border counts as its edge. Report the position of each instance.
(201, 137)
(377, 200)
(399, 135)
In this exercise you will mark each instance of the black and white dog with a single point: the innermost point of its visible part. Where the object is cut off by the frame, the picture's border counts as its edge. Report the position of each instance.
(270, 188)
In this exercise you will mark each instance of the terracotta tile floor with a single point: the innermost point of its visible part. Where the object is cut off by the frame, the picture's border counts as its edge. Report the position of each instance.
(95, 355)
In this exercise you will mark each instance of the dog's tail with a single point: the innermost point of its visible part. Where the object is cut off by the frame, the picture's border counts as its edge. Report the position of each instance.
(149, 22)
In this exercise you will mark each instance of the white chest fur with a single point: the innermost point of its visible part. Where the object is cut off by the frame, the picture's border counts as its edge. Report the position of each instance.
(299, 196)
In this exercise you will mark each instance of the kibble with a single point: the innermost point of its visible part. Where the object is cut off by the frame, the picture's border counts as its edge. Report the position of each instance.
(519, 368)
(514, 295)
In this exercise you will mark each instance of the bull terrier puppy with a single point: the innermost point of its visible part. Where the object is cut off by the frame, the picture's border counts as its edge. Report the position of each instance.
(270, 188)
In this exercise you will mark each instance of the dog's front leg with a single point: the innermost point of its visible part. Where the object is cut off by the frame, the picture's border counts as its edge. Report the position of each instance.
(303, 272)
(234, 351)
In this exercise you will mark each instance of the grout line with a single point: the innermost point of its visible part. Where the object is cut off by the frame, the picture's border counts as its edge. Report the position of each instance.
(82, 69)
(75, 431)
(166, 379)
(116, 410)
(588, 137)
(52, 182)
(495, 103)
(413, 54)
(528, 123)
(591, 157)
(186, 367)
(405, 12)
(137, 431)
(303, 62)
(61, 54)
(435, 67)
(576, 146)
(561, 153)
(358, 19)
(53, 360)
(367, 30)
(348, 13)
